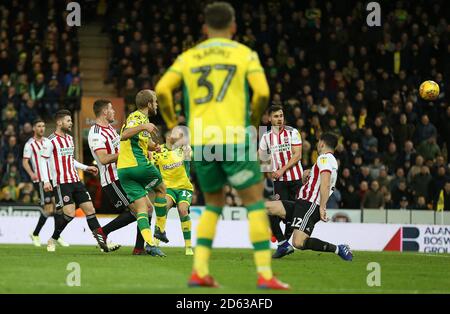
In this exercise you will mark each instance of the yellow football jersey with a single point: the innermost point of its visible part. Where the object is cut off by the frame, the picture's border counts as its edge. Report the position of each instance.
(216, 91)
(134, 151)
(171, 164)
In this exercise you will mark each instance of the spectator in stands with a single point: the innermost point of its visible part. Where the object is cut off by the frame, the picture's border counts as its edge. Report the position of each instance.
(52, 98)
(445, 128)
(416, 168)
(10, 191)
(374, 198)
(383, 178)
(350, 199)
(69, 78)
(334, 200)
(28, 112)
(403, 131)
(429, 149)
(9, 114)
(421, 204)
(404, 203)
(444, 198)
(363, 189)
(390, 157)
(420, 182)
(388, 203)
(37, 90)
(25, 133)
(437, 184)
(400, 192)
(11, 97)
(73, 95)
(407, 156)
(11, 148)
(425, 129)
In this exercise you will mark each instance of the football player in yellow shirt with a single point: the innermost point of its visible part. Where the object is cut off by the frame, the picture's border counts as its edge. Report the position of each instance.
(137, 174)
(215, 76)
(172, 161)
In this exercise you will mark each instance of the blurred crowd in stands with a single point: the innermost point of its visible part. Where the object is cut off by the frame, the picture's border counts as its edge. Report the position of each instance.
(38, 75)
(326, 67)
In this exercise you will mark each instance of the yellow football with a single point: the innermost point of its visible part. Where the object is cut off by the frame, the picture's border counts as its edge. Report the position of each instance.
(429, 90)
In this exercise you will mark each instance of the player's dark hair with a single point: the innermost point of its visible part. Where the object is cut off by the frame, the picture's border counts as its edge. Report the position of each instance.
(60, 114)
(99, 105)
(38, 120)
(329, 139)
(219, 15)
(143, 97)
(275, 108)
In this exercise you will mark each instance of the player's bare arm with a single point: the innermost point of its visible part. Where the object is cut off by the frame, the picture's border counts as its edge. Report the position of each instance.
(45, 178)
(106, 158)
(306, 174)
(325, 179)
(91, 169)
(261, 95)
(296, 157)
(153, 147)
(27, 167)
(130, 132)
(164, 89)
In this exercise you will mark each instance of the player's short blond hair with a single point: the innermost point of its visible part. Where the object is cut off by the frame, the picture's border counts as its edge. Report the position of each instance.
(144, 97)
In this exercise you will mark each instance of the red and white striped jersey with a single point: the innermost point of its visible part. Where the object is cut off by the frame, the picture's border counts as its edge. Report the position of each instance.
(311, 190)
(60, 151)
(101, 137)
(32, 151)
(279, 146)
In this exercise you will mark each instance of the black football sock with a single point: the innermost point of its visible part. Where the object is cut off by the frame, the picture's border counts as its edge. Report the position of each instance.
(58, 218)
(61, 225)
(319, 245)
(139, 240)
(92, 222)
(120, 221)
(276, 229)
(288, 231)
(40, 224)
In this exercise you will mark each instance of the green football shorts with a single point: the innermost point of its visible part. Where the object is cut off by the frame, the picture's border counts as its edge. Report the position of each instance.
(137, 181)
(234, 167)
(180, 196)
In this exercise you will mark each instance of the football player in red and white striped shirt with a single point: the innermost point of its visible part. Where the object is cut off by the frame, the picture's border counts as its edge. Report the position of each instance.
(284, 145)
(32, 155)
(310, 207)
(104, 143)
(69, 192)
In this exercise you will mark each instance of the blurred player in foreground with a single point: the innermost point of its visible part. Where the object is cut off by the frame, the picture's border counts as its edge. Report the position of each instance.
(215, 76)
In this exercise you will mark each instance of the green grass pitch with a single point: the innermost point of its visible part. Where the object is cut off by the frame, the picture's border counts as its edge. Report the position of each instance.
(26, 269)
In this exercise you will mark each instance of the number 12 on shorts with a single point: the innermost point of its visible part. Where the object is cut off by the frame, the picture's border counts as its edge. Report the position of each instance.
(296, 222)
